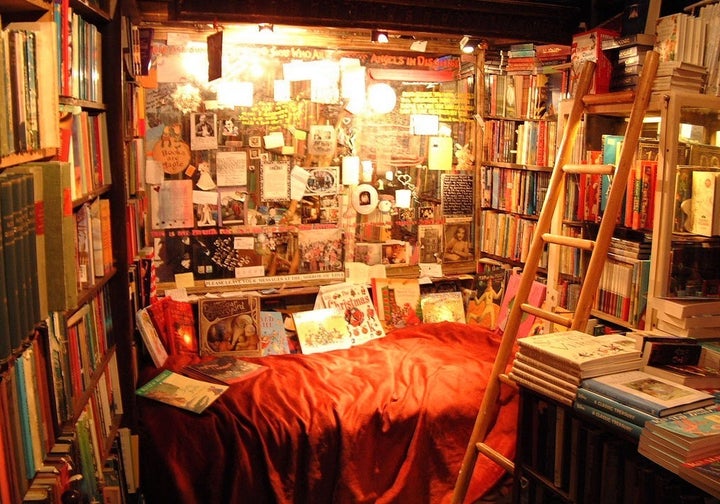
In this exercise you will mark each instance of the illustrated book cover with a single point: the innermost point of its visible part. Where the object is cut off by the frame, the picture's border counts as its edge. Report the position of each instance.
(224, 369)
(229, 325)
(322, 330)
(535, 298)
(355, 303)
(484, 306)
(694, 432)
(273, 338)
(578, 352)
(397, 301)
(648, 393)
(181, 391)
(442, 307)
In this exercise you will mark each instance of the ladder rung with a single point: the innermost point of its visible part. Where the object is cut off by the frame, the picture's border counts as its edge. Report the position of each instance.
(547, 315)
(569, 241)
(609, 98)
(590, 169)
(496, 457)
(504, 378)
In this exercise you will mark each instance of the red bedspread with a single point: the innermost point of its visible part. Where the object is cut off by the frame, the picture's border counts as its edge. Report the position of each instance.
(387, 421)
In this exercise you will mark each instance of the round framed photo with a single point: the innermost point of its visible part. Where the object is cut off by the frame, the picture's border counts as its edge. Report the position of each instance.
(364, 199)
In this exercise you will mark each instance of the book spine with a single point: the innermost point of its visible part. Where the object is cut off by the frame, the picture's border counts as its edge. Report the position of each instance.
(630, 400)
(609, 419)
(613, 407)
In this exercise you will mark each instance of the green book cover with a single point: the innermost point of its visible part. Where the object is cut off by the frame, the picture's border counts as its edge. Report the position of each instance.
(13, 287)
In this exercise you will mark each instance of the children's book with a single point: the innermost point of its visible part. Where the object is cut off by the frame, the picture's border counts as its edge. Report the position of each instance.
(229, 325)
(484, 307)
(225, 369)
(442, 307)
(322, 330)
(397, 301)
(273, 338)
(535, 298)
(355, 303)
(181, 391)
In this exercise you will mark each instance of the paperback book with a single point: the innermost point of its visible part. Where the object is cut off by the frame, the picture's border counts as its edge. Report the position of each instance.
(181, 391)
(582, 354)
(397, 301)
(224, 369)
(648, 393)
(273, 338)
(704, 473)
(536, 297)
(321, 330)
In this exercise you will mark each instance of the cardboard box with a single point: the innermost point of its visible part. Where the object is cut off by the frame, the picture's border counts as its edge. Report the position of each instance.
(588, 46)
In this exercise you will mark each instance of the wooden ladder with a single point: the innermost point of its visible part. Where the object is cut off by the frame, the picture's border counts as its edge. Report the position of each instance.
(597, 248)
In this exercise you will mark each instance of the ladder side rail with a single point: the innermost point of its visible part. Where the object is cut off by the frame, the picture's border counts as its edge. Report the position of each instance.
(488, 407)
(617, 191)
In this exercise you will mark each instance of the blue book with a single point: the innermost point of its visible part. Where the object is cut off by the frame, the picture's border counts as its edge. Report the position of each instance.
(648, 393)
(611, 147)
(609, 419)
(24, 416)
(618, 409)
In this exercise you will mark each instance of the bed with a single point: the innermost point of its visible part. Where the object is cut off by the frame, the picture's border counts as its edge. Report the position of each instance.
(387, 421)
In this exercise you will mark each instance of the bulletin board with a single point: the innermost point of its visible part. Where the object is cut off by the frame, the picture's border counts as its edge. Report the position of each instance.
(244, 171)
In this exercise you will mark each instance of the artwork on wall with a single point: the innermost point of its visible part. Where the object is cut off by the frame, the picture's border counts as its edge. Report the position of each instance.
(246, 169)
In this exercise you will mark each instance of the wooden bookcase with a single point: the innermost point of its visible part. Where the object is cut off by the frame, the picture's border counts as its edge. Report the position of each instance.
(67, 379)
(566, 457)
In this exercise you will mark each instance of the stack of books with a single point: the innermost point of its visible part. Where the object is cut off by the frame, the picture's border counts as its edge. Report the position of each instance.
(679, 75)
(627, 54)
(555, 364)
(681, 360)
(628, 400)
(683, 438)
(695, 318)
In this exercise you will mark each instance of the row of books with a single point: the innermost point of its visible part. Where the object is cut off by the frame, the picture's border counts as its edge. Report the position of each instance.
(507, 235)
(84, 144)
(530, 143)
(78, 45)
(513, 190)
(622, 291)
(28, 97)
(33, 434)
(49, 256)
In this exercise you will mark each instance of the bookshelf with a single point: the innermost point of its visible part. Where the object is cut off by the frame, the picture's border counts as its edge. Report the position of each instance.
(519, 137)
(65, 368)
(566, 456)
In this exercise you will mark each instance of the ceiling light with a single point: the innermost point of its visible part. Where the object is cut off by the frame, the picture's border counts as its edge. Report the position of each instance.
(380, 36)
(467, 45)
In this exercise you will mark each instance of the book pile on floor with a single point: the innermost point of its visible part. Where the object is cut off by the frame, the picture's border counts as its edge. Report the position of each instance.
(629, 399)
(687, 443)
(554, 364)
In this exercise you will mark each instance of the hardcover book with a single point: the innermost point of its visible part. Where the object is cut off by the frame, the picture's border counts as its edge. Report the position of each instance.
(613, 407)
(225, 369)
(153, 344)
(355, 303)
(181, 391)
(322, 330)
(229, 325)
(484, 307)
(648, 393)
(608, 419)
(699, 377)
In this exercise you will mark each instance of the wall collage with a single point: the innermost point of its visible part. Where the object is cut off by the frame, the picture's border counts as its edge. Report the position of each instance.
(303, 163)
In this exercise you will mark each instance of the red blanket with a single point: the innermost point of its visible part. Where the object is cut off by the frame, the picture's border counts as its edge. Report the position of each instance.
(387, 421)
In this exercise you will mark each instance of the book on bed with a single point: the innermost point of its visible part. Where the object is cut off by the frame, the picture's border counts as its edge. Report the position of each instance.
(224, 369)
(356, 305)
(229, 325)
(181, 391)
